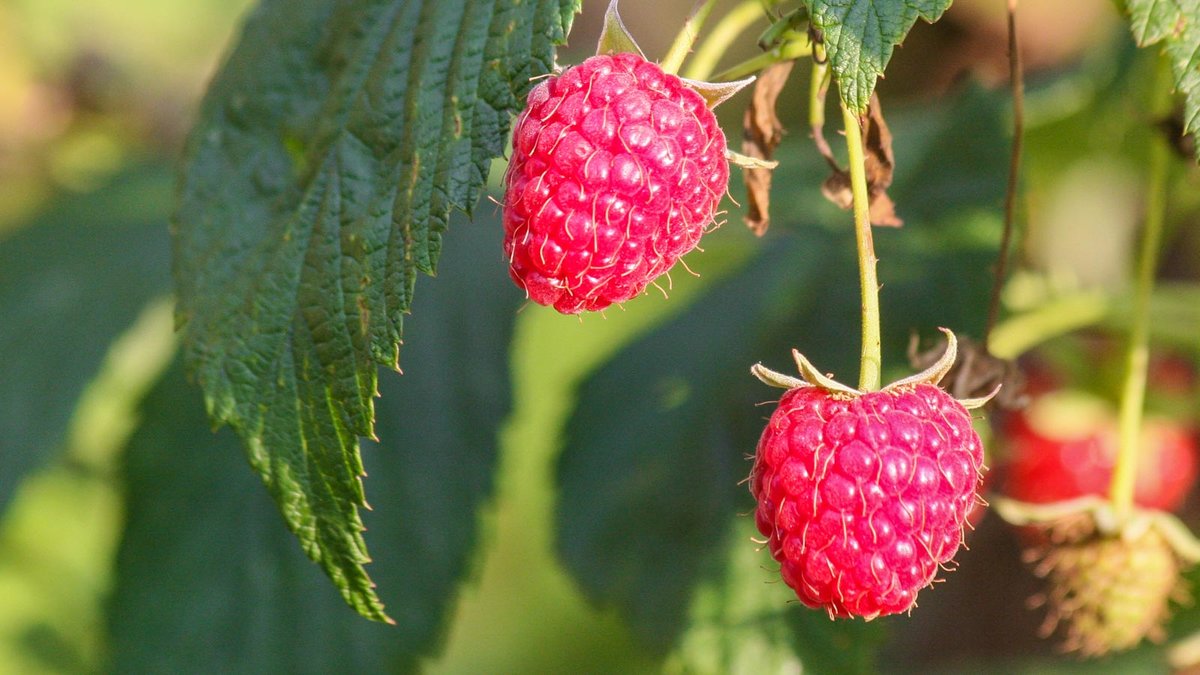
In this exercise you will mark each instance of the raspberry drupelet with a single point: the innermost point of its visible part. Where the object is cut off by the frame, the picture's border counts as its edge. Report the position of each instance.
(616, 172)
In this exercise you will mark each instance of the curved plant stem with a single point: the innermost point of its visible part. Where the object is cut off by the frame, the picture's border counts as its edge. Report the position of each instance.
(687, 36)
(1019, 333)
(710, 51)
(869, 377)
(786, 52)
(818, 86)
(1133, 391)
(1017, 82)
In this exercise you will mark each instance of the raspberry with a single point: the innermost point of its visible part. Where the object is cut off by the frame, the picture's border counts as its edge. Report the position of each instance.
(617, 169)
(1111, 575)
(863, 497)
(1064, 445)
(1107, 591)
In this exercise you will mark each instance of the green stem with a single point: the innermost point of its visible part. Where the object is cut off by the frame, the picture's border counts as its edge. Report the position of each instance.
(817, 88)
(687, 36)
(1065, 314)
(710, 51)
(785, 52)
(1133, 391)
(869, 376)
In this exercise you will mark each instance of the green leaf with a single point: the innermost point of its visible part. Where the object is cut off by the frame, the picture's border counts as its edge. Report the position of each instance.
(208, 579)
(659, 437)
(653, 456)
(329, 153)
(860, 35)
(743, 621)
(1175, 23)
(71, 281)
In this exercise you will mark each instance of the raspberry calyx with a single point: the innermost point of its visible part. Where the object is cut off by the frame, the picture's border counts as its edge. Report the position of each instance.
(863, 496)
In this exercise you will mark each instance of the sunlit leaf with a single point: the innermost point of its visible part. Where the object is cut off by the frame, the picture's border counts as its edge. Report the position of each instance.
(329, 153)
(860, 35)
(743, 619)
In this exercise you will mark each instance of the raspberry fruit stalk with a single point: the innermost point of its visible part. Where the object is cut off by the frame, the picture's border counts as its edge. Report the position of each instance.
(869, 374)
(1137, 358)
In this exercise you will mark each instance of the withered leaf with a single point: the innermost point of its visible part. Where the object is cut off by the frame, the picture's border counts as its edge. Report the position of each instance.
(975, 373)
(761, 134)
(879, 161)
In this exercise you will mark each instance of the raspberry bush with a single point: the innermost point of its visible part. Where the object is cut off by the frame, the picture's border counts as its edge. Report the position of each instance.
(584, 479)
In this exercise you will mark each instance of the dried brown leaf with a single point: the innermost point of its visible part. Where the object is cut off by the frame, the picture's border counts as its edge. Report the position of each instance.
(879, 163)
(975, 373)
(761, 134)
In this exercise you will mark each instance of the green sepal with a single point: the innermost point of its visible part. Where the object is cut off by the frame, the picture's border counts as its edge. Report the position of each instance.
(615, 37)
(1106, 520)
(811, 376)
(774, 379)
(716, 93)
(935, 373)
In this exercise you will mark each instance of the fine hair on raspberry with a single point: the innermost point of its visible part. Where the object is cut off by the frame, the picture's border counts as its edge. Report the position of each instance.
(863, 498)
(617, 170)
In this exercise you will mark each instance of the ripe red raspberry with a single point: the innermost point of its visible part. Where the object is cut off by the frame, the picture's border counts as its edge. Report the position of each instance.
(1064, 445)
(617, 169)
(862, 497)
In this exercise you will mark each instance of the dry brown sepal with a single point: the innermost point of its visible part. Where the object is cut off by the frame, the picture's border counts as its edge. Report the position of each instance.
(1110, 579)
(975, 373)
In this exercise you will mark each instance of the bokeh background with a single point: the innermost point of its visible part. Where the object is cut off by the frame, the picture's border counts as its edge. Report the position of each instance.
(95, 101)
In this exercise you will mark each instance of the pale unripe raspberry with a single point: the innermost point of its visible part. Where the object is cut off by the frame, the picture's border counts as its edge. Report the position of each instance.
(863, 497)
(1111, 571)
(617, 169)
(1108, 591)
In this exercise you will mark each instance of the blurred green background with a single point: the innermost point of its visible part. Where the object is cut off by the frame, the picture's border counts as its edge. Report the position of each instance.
(98, 439)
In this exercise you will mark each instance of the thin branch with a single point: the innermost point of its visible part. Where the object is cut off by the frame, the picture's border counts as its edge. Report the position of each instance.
(1016, 78)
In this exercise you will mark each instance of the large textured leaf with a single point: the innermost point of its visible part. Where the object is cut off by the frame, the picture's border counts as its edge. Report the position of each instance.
(1175, 23)
(70, 282)
(860, 36)
(648, 480)
(657, 443)
(329, 153)
(208, 578)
